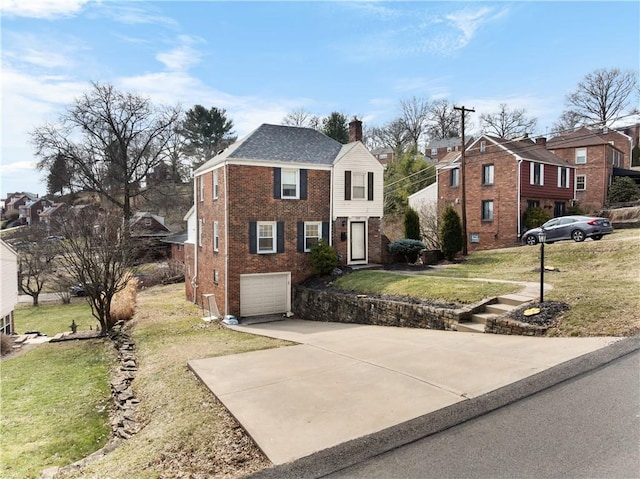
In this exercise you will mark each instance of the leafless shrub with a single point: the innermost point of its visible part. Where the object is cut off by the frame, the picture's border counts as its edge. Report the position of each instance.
(6, 344)
(428, 213)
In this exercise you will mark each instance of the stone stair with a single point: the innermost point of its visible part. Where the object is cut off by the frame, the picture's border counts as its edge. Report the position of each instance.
(498, 307)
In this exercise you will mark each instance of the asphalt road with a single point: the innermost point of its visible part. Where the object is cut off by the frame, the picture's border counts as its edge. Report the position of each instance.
(586, 427)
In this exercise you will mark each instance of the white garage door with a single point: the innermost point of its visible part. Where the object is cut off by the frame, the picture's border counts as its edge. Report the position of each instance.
(266, 293)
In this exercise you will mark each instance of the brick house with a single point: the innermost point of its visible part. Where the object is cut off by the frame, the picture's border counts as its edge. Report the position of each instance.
(503, 179)
(262, 203)
(29, 212)
(384, 155)
(598, 156)
(436, 150)
(14, 201)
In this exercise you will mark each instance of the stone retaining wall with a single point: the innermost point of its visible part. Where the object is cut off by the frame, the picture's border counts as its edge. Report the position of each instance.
(501, 325)
(123, 419)
(320, 305)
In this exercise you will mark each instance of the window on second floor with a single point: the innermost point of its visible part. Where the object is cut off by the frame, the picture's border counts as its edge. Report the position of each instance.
(487, 210)
(216, 236)
(581, 183)
(201, 188)
(487, 174)
(563, 177)
(617, 158)
(483, 146)
(581, 156)
(215, 184)
(200, 232)
(454, 179)
(358, 185)
(289, 183)
(434, 152)
(536, 174)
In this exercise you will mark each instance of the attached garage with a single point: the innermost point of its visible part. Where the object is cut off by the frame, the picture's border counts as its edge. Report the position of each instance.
(267, 293)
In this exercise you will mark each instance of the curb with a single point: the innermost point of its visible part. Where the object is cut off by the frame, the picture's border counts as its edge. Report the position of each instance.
(356, 451)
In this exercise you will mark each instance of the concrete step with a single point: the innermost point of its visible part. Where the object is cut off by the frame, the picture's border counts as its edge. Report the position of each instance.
(481, 318)
(470, 327)
(498, 308)
(513, 299)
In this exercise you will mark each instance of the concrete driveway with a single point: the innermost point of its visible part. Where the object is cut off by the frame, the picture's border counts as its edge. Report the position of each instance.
(346, 381)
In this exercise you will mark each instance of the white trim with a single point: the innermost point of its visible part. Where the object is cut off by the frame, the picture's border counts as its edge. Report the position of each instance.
(216, 236)
(532, 175)
(215, 184)
(585, 182)
(296, 172)
(585, 156)
(319, 236)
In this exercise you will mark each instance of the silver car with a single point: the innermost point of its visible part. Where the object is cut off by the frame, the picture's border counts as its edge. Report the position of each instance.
(577, 228)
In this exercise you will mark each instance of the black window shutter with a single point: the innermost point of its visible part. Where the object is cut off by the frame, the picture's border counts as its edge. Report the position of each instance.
(280, 239)
(325, 231)
(370, 186)
(253, 237)
(347, 185)
(277, 183)
(300, 236)
(303, 184)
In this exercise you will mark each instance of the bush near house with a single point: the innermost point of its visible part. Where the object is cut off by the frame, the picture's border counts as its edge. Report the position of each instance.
(412, 224)
(324, 259)
(535, 217)
(450, 233)
(407, 248)
(623, 189)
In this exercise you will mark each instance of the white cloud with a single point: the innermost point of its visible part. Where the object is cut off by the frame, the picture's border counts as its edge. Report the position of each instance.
(133, 15)
(42, 8)
(183, 56)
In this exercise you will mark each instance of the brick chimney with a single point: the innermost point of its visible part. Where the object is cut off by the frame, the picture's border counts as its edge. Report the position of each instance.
(542, 141)
(355, 130)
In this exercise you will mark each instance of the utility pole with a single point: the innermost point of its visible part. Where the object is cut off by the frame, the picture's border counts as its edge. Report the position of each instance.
(465, 250)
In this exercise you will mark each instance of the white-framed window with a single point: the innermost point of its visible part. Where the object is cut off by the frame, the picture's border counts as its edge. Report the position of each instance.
(454, 179)
(215, 184)
(216, 276)
(200, 232)
(216, 236)
(483, 146)
(617, 158)
(487, 210)
(266, 235)
(434, 152)
(448, 149)
(290, 182)
(487, 174)
(383, 156)
(147, 221)
(358, 185)
(581, 156)
(201, 188)
(312, 234)
(563, 177)
(581, 182)
(536, 174)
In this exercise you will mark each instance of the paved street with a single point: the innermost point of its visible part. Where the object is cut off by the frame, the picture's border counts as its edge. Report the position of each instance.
(588, 427)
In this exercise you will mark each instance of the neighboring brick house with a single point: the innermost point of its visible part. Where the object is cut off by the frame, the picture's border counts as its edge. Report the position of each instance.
(56, 211)
(598, 157)
(14, 201)
(263, 202)
(436, 150)
(30, 211)
(504, 178)
(384, 155)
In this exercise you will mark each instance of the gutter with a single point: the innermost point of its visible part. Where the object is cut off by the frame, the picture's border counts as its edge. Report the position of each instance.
(225, 167)
(194, 281)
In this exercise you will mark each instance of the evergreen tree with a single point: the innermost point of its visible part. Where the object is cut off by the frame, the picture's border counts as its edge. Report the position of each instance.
(206, 132)
(412, 224)
(335, 126)
(410, 173)
(635, 155)
(59, 176)
(450, 233)
(623, 189)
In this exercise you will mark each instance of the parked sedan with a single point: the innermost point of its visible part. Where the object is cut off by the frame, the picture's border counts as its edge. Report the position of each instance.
(577, 228)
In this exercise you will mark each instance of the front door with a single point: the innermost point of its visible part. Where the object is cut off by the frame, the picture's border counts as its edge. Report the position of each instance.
(358, 242)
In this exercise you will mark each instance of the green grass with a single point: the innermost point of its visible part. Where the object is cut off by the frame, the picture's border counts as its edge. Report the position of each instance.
(423, 287)
(54, 318)
(55, 401)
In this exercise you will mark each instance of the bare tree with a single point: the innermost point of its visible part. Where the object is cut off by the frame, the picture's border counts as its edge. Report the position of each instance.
(603, 95)
(36, 256)
(415, 113)
(507, 123)
(97, 254)
(569, 121)
(428, 213)
(111, 140)
(303, 118)
(443, 121)
(392, 135)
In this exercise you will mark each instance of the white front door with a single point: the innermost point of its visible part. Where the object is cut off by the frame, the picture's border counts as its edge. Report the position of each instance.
(358, 242)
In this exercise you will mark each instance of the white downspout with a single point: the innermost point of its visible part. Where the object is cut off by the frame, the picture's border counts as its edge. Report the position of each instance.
(226, 239)
(195, 249)
(331, 219)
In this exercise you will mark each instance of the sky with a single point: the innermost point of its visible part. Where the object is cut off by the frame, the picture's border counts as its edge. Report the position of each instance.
(262, 60)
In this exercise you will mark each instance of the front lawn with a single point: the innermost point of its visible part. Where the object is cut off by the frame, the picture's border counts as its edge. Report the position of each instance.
(55, 405)
(54, 318)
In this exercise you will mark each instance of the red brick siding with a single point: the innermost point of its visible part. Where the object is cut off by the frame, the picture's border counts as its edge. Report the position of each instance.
(251, 199)
(598, 175)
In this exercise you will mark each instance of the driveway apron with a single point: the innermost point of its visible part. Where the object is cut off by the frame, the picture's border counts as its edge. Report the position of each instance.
(345, 381)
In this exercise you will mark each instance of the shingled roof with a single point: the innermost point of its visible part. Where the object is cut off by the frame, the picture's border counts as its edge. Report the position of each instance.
(287, 143)
(579, 138)
(529, 150)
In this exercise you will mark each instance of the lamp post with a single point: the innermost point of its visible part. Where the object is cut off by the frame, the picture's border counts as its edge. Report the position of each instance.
(542, 237)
